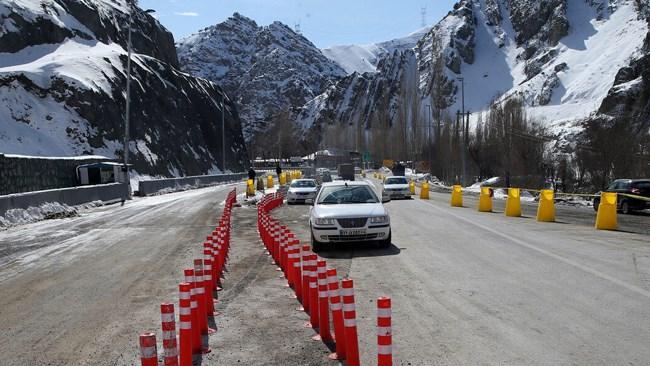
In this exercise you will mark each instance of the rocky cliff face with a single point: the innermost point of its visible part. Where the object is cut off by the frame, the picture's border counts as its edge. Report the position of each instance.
(62, 87)
(562, 57)
(267, 69)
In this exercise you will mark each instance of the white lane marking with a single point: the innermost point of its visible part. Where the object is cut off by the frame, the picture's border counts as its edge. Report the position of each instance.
(522, 243)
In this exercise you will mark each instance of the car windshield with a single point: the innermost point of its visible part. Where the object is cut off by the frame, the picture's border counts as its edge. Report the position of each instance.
(346, 194)
(396, 181)
(303, 184)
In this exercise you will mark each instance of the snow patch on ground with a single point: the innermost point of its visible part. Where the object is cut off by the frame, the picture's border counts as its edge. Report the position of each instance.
(46, 211)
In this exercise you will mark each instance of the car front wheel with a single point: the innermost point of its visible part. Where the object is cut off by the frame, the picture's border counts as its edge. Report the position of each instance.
(316, 245)
(625, 207)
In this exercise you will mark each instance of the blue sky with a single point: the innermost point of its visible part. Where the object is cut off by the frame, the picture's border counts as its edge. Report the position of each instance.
(324, 22)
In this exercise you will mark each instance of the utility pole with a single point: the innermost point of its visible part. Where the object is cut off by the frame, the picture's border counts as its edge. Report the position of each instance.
(127, 116)
(423, 12)
(128, 102)
(464, 148)
(429, 138)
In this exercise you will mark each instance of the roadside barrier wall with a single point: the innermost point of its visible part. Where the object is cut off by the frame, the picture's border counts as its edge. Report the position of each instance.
(69, 196)
(147, 187)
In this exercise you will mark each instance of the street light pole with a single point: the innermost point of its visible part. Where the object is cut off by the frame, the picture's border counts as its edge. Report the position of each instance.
(127, 116)
(430, 139)
(128, 103)
(464, 148)
(223, 132)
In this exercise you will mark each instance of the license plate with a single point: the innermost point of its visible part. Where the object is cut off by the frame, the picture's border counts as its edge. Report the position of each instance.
(353, 232)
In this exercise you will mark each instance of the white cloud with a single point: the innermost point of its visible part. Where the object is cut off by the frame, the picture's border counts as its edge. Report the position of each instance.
(187, 14)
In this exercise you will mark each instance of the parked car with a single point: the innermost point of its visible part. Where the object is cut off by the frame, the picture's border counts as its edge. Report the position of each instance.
(323, 175)
(397, 187)
(301, 190)
(637, 187)
(349, 212)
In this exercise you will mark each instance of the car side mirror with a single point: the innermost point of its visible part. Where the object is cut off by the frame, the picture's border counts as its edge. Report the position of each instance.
(385, 198)
(309, 201)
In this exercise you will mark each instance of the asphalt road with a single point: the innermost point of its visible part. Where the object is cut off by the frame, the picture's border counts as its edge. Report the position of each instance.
(468, 288)
(471, 288)
(78, 291)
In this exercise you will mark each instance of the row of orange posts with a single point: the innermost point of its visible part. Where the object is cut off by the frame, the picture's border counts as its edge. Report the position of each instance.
(197, 301)
(316, 288)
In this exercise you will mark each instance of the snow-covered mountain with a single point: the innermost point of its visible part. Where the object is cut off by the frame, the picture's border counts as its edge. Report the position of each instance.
(364, 58)
(267, 69)
(561, 57)
(62, 89)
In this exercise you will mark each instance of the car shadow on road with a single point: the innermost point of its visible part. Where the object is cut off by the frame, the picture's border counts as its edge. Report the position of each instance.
(358, 250)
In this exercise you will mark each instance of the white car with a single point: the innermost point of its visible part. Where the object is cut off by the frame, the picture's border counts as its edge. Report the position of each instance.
(301, 190)
(397, 187)
(345, 211)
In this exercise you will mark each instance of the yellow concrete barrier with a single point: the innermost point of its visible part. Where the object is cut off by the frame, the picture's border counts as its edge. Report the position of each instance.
(546, 208)
(374, 175)
(457, 196)
(412, 187)
(485, 200)
(513, 203)
(283, 178)
(269, 181)
(606, 218)
(424, 191)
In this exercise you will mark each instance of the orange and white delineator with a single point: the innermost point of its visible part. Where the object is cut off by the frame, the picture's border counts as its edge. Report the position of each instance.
(350, 323)
(170, 347)
(337, 314)
(185, 324)
(148, 351)
(384, 332)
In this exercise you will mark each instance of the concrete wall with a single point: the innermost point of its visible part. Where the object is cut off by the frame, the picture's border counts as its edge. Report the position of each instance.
(147, 187)
(27, 174)
(68, 196)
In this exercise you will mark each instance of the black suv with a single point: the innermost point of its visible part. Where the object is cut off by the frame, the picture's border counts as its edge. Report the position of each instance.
(637, 187)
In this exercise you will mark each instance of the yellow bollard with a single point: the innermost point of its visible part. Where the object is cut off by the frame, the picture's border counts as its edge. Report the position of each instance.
(424, 191)
(457, 196)
(283, 178)
(546, 208)
(485, 200)
(513, 203)
(606, 218)
(412, 187)
(269, 181)
(250, 188)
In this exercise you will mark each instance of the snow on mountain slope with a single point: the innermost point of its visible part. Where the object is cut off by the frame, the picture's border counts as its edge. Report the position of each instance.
(62, 91)
(364, 58)
(560, 56)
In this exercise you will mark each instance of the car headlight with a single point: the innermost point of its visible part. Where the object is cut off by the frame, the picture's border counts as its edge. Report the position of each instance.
(325, 221)
(379, 220)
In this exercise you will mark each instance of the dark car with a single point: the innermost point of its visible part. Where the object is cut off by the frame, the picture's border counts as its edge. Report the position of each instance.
(636, 187)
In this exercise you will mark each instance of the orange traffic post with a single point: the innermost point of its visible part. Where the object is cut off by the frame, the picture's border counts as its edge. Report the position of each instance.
(384, 332)
(306, 274)
(323, 304)
(297, 275)
(185, 326)
(148, 351)
(350, 323)
(200, 295)
(313, 292)
(337, 314)
(208, 282)
(196, 327)
(170, 347)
